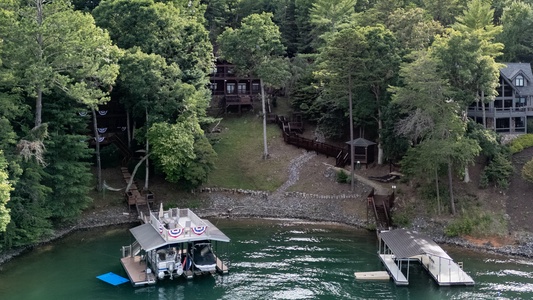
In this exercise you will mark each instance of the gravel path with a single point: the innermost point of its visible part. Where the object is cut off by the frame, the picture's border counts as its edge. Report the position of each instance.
(294, 170)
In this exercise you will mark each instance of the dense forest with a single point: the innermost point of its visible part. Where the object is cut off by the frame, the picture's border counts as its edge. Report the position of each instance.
(402, 71)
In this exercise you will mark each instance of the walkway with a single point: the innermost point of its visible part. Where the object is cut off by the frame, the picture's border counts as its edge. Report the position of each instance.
(294, 171)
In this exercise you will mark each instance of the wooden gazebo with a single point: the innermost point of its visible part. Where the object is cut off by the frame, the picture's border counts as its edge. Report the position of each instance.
(363, 151)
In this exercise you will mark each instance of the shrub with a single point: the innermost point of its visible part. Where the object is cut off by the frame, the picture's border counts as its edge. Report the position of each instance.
(402, 218)
(520, 143)
(342, 177)
(498, 171)
(476, 224)
(527, 171)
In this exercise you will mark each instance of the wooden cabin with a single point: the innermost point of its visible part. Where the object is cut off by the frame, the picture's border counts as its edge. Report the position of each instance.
(231, 91)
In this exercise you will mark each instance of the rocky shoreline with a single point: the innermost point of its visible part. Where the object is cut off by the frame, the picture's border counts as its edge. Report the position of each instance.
(248, 204)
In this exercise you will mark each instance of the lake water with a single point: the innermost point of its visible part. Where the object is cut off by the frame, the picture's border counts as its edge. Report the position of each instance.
(269, 259)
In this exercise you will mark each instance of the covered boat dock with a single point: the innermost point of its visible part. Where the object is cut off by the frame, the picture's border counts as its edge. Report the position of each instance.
(398, 248)
(175, 227)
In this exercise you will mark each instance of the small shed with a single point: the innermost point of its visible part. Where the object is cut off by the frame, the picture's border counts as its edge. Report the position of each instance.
(363, 150)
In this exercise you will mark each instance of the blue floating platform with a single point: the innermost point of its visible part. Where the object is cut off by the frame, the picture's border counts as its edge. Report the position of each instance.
(112, 278)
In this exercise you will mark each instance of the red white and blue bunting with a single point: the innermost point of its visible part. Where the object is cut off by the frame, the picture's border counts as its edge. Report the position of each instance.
(83, 113)
(100, 139)
(175, 233)
(161, 227)
(199, 230)
(102, 112)
(102, 130)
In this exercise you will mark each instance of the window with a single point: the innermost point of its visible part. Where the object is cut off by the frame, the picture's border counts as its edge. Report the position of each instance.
(213, 86)
(520, 102)
(519, 122)
(242, 88)
(230, 88)
(519, 80)
(255, 87)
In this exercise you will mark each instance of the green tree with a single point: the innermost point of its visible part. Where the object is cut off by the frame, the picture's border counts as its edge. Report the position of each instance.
(379, 69)
(182, 151)
(326, 15)
(67, 173)
(517, 32)
(339, 62)
(256, 50)
(444, 11)
(50, 47)
(413, 27)
(433, 122)
(5, 190)
(166, 29)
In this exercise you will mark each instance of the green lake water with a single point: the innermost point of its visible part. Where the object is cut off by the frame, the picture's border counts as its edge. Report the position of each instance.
(269, 259)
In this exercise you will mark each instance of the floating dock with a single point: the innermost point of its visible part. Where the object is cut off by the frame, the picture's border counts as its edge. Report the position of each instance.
(401, 247)
(376, 275)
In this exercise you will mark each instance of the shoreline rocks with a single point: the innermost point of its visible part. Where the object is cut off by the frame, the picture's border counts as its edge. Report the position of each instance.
(250, 204)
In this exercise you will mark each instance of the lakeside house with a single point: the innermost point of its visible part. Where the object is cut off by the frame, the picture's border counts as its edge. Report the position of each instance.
(513, 105)
(230, 90)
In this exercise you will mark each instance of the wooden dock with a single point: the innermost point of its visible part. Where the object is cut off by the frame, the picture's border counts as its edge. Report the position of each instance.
(136, 270)
(393, 269)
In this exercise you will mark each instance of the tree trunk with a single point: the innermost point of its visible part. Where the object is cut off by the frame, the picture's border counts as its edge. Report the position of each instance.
(380, 145)
(135, 171)
(437, 186)
(97, 152)
(265, 153)
(40, 42)
(38, 107)
(128, 129)
(467, 175)
(352, 185)
(147, 169)
(483, 109)
(450, 183)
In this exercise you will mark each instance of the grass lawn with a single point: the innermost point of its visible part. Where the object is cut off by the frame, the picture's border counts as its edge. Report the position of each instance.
(240, 155)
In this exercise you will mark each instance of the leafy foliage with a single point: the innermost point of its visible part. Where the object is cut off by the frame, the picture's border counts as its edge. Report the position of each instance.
(5, 189)
(182, 152)
(521, 142)
(527, 171)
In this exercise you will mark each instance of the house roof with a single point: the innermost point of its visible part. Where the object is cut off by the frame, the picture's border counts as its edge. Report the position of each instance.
(511, 70)
(407, 243)
(360, 142)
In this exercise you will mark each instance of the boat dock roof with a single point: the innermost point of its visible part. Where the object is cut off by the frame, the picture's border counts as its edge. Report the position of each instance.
(175, 226)
(403, 246)
(407, 243)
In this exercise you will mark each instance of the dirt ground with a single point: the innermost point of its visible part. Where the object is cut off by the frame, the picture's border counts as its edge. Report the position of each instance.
(519, 196)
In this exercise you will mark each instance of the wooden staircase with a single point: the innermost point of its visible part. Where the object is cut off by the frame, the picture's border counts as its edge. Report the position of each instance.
(122, 147)
(381, 205)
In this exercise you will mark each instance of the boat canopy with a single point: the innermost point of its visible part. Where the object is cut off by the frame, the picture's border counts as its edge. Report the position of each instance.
(147, 237)
(406, 243)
